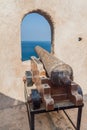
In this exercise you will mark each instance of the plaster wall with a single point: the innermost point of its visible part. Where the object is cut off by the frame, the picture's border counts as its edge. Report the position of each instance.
(70, 22)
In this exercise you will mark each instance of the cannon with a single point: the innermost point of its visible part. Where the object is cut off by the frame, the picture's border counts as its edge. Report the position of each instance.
(60, 73)
(54, 80)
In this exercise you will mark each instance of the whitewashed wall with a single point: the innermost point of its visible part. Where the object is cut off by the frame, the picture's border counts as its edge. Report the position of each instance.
(70, 22)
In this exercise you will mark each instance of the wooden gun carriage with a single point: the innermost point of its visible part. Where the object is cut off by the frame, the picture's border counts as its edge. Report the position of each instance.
(53, 80)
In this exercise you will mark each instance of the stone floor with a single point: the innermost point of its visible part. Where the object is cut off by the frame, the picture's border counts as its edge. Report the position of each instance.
(15, 118)
(72, 114)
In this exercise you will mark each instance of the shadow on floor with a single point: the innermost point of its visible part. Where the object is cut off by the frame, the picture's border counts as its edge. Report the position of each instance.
(6, 101)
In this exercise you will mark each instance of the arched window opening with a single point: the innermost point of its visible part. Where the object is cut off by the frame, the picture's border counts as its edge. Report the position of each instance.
(35, 30)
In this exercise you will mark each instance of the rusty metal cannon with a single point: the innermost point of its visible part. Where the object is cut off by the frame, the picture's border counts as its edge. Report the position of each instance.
(60, 73)
(54, 80)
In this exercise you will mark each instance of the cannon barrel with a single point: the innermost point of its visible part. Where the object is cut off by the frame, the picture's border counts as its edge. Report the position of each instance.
(61, 74)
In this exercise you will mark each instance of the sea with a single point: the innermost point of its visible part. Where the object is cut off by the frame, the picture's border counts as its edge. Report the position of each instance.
(27, 48)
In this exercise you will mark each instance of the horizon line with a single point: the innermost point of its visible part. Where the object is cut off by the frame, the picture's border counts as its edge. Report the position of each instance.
(34, 40)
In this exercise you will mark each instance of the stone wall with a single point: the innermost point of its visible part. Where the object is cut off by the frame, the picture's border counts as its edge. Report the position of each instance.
(69, 21)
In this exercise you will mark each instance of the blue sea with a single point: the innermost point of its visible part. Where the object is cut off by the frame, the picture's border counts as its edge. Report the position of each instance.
(27, 48)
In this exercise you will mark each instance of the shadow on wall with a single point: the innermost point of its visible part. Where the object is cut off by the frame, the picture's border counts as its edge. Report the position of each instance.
(6, 101)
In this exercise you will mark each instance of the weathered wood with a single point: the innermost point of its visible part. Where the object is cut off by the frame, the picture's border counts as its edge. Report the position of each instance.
(57, 94)
(47, 99)
(38, 72)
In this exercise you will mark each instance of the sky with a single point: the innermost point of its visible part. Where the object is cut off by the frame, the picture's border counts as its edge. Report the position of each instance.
(35, 27)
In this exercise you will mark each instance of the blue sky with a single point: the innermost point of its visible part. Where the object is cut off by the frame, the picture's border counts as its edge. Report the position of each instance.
(35, 27)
